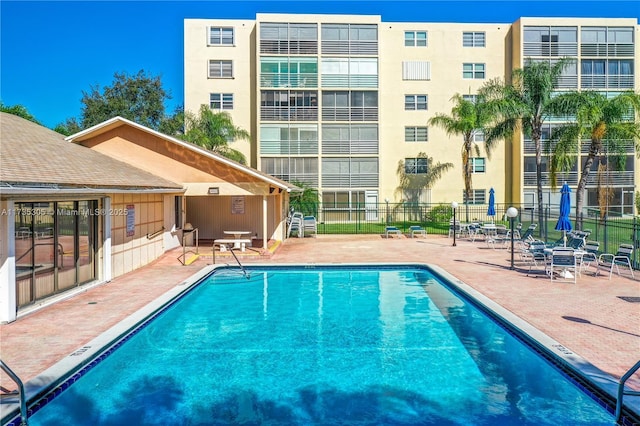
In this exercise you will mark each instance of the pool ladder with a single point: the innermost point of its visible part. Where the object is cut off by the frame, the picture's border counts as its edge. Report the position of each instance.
(23, 398)
(622, 392)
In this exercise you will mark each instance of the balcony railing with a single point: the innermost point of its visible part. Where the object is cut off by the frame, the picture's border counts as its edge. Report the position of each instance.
(614, 178)
(343, 180)
(346, 80)
(352, 47)
(350, 147)
(589, 81)
(547, 49)
(288, 80)
(350, 114)
(289, 147)
(286, 47)
(286, 113)
(603, 49)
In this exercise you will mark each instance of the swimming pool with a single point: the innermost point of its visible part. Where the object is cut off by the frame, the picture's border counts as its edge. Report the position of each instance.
(322, 345)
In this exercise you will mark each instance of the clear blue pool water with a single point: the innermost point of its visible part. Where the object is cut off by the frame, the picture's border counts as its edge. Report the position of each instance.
(323, 346)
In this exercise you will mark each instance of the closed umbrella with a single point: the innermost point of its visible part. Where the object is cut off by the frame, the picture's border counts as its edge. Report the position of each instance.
(491, 211)
(564, 224)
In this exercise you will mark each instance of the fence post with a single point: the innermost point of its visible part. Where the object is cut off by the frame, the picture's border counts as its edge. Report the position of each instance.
(635, 243)
(606, 233)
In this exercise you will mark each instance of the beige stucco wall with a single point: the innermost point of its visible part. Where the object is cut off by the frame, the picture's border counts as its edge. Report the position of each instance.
(129, 252)
(198, 86)
(446, 55)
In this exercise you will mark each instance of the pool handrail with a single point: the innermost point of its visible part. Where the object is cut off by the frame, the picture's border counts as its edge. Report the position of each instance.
(622, 392)
(23, 398)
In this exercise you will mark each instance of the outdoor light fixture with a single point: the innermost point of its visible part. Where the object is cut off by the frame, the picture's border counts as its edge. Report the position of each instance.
(214, 190)
(512, 213)
(454, 206)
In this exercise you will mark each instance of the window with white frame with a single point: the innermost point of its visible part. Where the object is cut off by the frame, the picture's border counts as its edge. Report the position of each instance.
(478, 164)
(474, 71)
(416, 134)
(478, 196)
(220, 68)
(221, 36)
(415, 102)
(221, 101)
(415, 38)
(415, 166)
(473, 39)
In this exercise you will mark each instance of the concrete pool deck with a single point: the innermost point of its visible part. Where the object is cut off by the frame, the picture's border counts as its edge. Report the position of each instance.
(596, 318)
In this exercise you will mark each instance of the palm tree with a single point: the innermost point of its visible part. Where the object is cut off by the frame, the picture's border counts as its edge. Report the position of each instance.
(467, 119)
(214, 131)
(305, 201)
(524, 104)
(413, 182)
(596, 119)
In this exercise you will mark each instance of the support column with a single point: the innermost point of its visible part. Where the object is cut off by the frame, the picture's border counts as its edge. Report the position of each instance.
(8, 295)
(106, 243)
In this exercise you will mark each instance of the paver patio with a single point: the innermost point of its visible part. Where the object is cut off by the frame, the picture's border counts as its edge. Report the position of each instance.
(597, 318)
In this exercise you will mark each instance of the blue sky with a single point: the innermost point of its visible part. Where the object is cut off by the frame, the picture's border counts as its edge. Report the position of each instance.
(52, 51)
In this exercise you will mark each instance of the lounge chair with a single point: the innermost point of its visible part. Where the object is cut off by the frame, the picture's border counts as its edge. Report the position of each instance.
(563, 264)
(590, 255)
(392, 230)
(416, 230)
(621, 258)
(309, 225)
(534, 256)
(295, 225)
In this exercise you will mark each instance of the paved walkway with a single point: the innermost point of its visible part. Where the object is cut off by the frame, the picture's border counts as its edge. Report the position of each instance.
(597, 318)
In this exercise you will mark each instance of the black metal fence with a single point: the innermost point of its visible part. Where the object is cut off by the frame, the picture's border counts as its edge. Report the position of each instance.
(610, 231)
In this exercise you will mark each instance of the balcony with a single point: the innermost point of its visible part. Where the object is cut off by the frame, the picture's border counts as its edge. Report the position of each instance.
(591, 81)
(346, 80)
(551, 49)
(287, 113)
(350, 114)
(281, 80)
(344, 180)
(286, 47)
(603, 49)
(613, 178)
(350, 47)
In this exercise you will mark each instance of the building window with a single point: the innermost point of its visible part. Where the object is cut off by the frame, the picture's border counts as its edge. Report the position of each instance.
(220, 35)
(478, 165)
(478, 196)
(415, 38)
(416, 134)
(415, 166)
(415, 102)
(177, 211)
(475, 71)
(473, 39)
(220, 68)
(221, 101)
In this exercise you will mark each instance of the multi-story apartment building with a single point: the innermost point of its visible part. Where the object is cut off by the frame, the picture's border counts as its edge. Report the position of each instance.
(340, 101)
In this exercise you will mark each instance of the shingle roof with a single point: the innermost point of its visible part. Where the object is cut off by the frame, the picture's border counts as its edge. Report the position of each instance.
(32, 154)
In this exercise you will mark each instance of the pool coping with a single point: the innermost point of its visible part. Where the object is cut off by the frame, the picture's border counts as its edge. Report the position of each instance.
(84, 356)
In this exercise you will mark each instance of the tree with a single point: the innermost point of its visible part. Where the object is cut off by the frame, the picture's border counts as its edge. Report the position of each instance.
(173, 125)
(412, 181)
(19, 110)
(69, 127)
(524, 104)
(603, 123)
(467, 119)
(214, 131)
(139, 98)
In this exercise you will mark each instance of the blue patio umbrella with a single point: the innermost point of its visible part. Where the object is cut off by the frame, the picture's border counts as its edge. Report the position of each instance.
(491, 211)
(564, 224)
